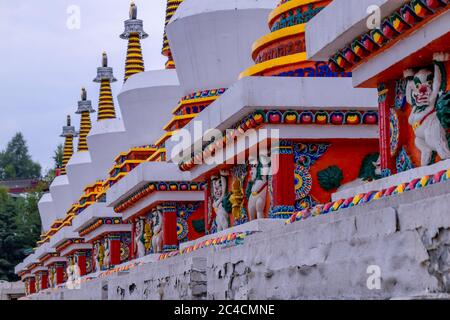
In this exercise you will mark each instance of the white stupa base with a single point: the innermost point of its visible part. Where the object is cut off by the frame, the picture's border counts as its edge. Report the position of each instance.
(106, 140)
(61, 192)
(80, 172)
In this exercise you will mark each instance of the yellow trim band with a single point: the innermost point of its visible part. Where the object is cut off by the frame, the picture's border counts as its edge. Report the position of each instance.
(277, 35)
(278, 62)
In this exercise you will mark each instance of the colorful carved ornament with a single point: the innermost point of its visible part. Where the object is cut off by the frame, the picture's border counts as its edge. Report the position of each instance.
(392, 27)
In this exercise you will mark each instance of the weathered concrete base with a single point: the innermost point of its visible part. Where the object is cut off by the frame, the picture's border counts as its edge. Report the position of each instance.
(11, 290)
(255, 225)
(178, 278)
(403, 241)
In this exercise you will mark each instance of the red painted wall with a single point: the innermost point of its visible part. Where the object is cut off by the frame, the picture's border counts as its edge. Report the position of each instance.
(347, 155)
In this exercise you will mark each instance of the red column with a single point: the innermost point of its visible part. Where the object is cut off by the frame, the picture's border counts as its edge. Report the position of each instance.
(170, 238)
(114, 247)
(283, 180)
(81, 262)
(32, 285)
(59, 271)
(384, 101)
(44, 281)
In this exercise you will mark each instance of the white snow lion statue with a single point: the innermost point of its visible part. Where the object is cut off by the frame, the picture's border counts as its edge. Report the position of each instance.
(425, 92)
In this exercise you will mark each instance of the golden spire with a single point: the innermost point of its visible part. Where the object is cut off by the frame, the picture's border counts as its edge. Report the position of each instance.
(134, 32)
(171, 8)
(84, 109)
(68, 133)
(105, 76)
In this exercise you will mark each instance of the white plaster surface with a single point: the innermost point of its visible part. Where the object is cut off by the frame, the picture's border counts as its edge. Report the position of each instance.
(146, 103)
(211, 40)
(64, 234)
(47, 211)
(92, 213)
(106, 140)
(143, 173)
(61, 192)
(80, 172)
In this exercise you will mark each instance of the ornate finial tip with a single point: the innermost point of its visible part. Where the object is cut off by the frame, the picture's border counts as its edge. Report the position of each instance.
(133, 11)
(68, 120)
(104, 59)
(83, 94)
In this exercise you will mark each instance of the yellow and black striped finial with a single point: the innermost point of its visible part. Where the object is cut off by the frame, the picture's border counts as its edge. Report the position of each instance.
(134, 32)
(68, 133)
(106, 109)
(84, 109)
(171, 8)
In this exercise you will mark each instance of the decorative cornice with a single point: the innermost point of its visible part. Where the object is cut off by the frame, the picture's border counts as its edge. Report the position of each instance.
(157, 186)
(396, 26)
(285, 117)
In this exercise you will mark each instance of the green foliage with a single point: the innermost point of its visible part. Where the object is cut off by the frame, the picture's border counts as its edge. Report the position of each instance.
(443, 112)
(199, 225)
(20, 224)
(15, 161)
(50, 174)
(20, 228)
(367, 170)
(330, 178)
(58, 156)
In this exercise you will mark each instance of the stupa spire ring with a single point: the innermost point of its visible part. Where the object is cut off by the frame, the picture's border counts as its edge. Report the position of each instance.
(104, 72)
(84, 109)
(106, 109)
(68, 133)
(134, 32)
(134, 25)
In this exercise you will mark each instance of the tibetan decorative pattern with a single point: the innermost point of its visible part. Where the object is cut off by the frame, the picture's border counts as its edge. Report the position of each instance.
(303, 182)
(305, 155)
(319, 70)
(125, 243)
(97, 224)
(400, 94)
(360, 199)
(295, 16)
(182, 229)
(394, 133)
(404, 20)
(285, 117)
(156, 187)
(403, 161)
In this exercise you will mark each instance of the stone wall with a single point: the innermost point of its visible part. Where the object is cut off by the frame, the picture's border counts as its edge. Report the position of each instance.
(406, 237)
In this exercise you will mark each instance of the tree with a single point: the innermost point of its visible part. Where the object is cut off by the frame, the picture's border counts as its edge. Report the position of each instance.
(57, 159)
(58, 156)
(15, 161)
(20, 228)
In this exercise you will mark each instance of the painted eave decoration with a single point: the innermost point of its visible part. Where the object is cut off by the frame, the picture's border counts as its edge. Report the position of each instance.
(160, 186)
(286, 117)
(394, 27)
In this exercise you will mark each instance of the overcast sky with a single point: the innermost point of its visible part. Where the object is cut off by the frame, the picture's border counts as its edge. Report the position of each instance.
(44, 64)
